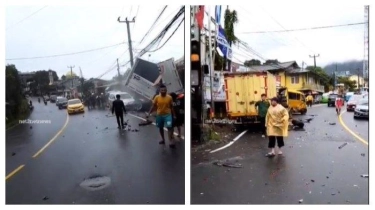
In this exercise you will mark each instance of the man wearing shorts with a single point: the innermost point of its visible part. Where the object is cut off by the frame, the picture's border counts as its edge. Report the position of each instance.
(164, 110)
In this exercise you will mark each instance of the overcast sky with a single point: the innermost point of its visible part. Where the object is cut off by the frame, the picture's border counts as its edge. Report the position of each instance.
(333, 44)
(69, 29)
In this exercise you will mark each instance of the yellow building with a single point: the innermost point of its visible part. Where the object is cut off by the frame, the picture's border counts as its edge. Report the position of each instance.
(290, 75)
(357, 79)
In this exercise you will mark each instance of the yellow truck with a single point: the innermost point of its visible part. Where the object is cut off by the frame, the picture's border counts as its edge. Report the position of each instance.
(243, 90)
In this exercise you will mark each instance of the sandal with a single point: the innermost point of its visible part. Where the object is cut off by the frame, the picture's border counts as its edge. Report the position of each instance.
(270, 154)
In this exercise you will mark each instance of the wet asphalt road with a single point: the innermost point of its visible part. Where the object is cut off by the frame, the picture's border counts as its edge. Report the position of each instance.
(313, 168)
(132, 166)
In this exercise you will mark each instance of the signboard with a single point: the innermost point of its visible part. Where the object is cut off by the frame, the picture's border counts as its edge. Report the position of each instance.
(223, 44)
(218, 87)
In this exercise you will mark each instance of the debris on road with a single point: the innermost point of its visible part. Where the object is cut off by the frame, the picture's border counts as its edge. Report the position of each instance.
(13, 154)
(96, 183)
(363, 154)
(343, 145)
(233, 165)
(31, 127)
(300, 201)
(148, 122)
(332, 123)
(364, 175)
(45, 198)
(312, 180)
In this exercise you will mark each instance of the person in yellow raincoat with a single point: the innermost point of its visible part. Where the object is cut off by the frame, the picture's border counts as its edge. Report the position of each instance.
(277, 122)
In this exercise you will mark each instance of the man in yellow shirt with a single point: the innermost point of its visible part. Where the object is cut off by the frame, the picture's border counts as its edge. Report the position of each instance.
(309, 100)
(164, 110)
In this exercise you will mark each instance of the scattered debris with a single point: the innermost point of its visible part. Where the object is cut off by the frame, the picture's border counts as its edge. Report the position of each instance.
(343, 145)
(232, 165)
(202, 193)
(332, 123)
(327, 177)
(31, 127)
(312, 180)
(96, 183)
(96, 127)
(300, 201)
(13, 154)
(355, 185)
(148, 122)
(364, 175)
(106, 128)
(45, 198)
(333, 193)
(363, 154)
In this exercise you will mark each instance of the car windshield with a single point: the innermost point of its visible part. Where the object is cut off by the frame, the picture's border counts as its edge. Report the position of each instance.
(125, 96)
(333, 96)
(75, 101)
(354, 98)
(363, 102)
(63, 100)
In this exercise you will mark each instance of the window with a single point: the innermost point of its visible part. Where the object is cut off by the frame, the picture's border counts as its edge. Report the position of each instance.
(294, 79)
(311, 80)
(293, 96)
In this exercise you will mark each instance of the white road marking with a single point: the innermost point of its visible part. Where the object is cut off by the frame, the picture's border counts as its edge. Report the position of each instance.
(243, 133)
(176, 134)
(230, 143)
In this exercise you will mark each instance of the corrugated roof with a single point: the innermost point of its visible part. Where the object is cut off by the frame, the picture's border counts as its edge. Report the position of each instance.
(273, 67)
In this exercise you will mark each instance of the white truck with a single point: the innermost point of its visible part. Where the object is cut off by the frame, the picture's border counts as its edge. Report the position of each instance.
(145, 76)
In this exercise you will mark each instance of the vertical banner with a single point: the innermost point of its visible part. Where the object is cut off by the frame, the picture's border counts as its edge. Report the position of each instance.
(223, 44)
(218, 14)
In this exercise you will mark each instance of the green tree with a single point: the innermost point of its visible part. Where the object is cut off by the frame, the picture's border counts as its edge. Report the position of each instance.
(320, 74)
(41, 79)
(63, 77)
(252, 62)
(230, 20)
(18, 106)
(350, 84)
(269, 62)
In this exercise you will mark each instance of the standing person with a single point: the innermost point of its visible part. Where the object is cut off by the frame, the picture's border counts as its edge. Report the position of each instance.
(309, 100)
(178, 106)
(339, 103)
(164, 114)
(277, 122)
(262, 107)
(118, 107)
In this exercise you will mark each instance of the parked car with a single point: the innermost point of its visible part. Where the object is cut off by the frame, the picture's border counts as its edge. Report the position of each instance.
(129, 101)
(58, 99)
(325, 98)
(350, 106)
(361, 110)
(53, 98)
(62, 103)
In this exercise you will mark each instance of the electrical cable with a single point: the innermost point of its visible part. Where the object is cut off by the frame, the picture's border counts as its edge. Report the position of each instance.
(169, 36)
(136, 14)
(67, 54)
(152, 26)
(304, 29)
(34, 13)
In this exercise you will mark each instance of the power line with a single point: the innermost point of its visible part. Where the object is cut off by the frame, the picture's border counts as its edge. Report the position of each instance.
(27, 17)
(51, 56)
(131, 8)
(152, 26)
(303, 29)
(286, 29)
(136, 14)
(169, 36)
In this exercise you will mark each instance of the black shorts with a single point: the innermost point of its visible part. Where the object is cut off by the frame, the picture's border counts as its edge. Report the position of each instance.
(179, 121)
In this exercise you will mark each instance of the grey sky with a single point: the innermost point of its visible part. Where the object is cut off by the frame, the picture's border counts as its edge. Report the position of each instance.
(333, 44)
(68, 29)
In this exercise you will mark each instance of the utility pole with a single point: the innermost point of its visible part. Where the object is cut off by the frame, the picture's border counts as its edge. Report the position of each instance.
(71, 73)
(314, 56)
(129, 37)
(358, 79)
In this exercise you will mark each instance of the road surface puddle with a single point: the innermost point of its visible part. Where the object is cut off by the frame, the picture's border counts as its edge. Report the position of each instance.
(96, 183)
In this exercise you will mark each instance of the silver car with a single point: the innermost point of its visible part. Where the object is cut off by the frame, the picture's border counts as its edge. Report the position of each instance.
(129, 101)
(361, 110)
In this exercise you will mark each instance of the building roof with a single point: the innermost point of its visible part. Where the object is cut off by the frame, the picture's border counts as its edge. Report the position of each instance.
(298, 71)
(275, 67)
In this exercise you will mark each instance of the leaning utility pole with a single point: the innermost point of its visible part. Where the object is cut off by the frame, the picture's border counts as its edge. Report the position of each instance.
(71, 73)
(129, 37)
(314, 56)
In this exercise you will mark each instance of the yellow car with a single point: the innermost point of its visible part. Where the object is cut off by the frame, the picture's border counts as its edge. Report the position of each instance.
(75, 106)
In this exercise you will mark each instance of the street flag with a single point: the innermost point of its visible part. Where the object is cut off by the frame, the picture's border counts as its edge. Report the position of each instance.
(223, 44)
(200, 16)
(218, 14)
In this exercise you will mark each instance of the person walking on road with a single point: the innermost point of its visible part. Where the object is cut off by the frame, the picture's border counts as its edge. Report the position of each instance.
(277, 123)
(178, 106)
(309, 100)
(339, 103)
(164, 114)
(262, 107)
(118, 107)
